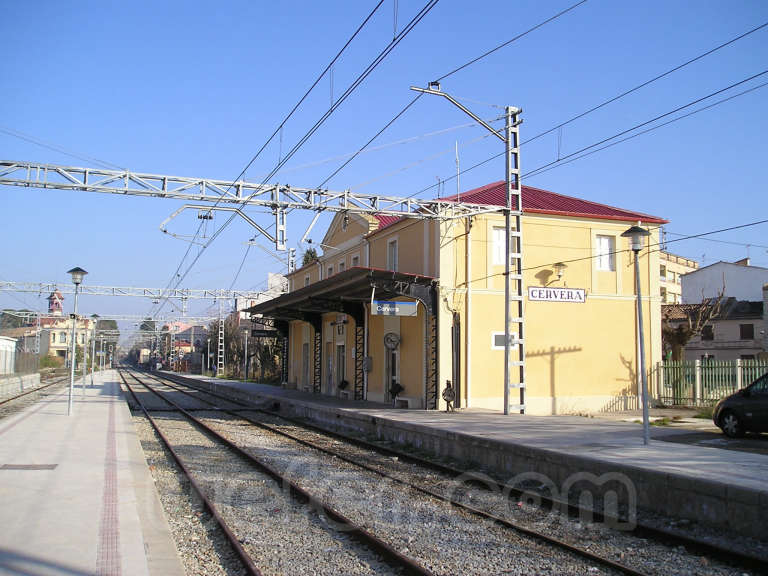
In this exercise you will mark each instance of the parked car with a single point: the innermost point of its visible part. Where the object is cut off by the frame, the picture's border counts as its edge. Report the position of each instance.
(744, 411)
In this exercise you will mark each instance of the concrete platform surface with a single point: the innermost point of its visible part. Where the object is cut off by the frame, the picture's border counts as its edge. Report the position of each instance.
(76, 496)
(722, 487)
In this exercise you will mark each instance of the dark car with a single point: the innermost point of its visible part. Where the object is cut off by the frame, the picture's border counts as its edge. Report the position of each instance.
(744, 411)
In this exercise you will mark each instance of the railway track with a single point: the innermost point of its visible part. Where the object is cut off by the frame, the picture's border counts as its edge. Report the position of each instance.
(357, 452)
(457, 500)
(14, 404)
(363, 554)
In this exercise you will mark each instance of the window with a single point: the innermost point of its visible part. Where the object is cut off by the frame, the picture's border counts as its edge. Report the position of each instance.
(708, 332)
(663, 273)
(355, 261)
(330, 271)
(392, 255)
(747, 331)
(760, 387)
(663, 294)
(706, 358)
(606, 246)
(499, 245)
(748, 357)
(306, 280)
(62, 337)
(341, 266)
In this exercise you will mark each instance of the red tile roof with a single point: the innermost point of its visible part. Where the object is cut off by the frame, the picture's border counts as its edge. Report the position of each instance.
(385, 221)
(540, 201)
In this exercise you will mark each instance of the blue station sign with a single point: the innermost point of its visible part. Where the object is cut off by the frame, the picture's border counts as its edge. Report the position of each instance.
(394, 308)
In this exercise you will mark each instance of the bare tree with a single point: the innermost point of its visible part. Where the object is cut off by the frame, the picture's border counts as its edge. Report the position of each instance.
(681, 322)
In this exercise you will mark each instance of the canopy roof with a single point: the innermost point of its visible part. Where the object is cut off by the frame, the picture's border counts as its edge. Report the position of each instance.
(346, 291)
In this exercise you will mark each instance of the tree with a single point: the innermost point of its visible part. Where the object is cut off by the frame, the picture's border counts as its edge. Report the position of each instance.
(310, 255)
(10, 319)
(234, 344)
(681, 322)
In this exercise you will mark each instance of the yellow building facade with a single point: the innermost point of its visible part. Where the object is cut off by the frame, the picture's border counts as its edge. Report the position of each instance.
(395, 308)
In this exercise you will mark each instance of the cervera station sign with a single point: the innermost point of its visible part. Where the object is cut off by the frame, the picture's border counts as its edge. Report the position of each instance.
(576, 295)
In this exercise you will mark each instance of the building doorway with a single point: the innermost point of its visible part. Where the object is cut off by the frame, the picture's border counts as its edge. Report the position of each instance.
(329, 384)
(341, 365)
(305, 364)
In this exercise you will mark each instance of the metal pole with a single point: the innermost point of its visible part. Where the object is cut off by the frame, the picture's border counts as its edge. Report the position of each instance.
(85, 363)
(93, 351)
(644, 378)
(507, 258)
(208, 358)
(246, 356)
(72, 359)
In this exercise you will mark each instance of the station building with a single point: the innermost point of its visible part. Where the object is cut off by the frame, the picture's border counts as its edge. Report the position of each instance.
(396, 307)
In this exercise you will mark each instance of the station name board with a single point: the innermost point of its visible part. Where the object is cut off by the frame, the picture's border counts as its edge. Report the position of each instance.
(394, 308)
(576, 295)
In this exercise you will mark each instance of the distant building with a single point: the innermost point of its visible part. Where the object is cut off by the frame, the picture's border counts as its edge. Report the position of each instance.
(738, 332)
(671, 270)
(59, 328)
(736, 280)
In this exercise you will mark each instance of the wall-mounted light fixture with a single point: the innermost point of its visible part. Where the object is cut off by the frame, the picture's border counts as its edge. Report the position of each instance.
(559, 269)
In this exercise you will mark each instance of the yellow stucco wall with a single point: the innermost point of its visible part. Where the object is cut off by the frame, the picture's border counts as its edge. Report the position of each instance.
(585, 354)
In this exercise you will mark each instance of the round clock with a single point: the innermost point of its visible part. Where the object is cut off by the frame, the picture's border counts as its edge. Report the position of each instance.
(391, 340)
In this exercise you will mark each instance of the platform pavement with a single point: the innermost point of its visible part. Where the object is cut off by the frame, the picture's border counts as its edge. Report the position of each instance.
(76, 496)
(723, 487)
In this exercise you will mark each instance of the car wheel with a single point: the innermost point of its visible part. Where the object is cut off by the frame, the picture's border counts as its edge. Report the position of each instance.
(731, 425)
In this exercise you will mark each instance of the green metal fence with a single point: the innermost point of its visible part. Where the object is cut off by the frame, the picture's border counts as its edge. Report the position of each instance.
(700, 383)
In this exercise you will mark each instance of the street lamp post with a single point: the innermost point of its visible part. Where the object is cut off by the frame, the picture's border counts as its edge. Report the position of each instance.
(93, 343)
(637, 236)
(77, 278)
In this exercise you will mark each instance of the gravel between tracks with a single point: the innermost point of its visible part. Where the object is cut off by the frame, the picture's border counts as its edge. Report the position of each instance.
(446, 540)
(436, 534)
(278, 533)
(642, 554)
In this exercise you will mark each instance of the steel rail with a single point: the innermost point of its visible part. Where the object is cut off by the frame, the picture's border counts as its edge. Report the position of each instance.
(409, 565)
(607, 562)
(641, 530)
(6, 400)
(245, 559)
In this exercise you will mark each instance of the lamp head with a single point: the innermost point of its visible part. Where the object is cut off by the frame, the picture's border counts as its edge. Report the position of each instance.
(636, 236)
(77, 275)
(559, 269)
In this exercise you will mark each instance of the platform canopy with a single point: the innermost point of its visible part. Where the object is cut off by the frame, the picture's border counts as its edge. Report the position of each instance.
(346, 291)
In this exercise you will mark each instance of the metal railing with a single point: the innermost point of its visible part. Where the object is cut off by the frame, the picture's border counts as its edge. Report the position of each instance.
(702, 383)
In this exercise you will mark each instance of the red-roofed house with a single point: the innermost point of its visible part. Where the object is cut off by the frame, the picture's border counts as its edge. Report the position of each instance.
(444, 319)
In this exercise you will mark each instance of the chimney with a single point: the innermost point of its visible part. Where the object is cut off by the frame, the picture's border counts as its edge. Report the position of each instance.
(742, 262)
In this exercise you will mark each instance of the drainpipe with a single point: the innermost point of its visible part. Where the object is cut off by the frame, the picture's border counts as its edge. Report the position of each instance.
(367, 253)
(468, 314)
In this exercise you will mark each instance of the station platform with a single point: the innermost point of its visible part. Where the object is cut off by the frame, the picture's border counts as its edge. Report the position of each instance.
(76, 496)
(718, 487)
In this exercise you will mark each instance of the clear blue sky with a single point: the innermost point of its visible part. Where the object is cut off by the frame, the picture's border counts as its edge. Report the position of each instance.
(195, 88)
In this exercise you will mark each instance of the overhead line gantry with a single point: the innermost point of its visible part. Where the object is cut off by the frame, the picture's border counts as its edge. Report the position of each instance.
(277, 198)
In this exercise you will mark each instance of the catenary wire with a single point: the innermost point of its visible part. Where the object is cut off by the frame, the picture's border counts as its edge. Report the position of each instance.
(261, 149)
(415, 221)
(372, 66)
(625, 93)
(483, 162)
(647, 82)
(566, 160)
(444, 76)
